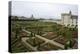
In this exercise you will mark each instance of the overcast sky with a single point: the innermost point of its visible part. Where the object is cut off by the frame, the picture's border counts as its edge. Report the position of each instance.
(42, 10)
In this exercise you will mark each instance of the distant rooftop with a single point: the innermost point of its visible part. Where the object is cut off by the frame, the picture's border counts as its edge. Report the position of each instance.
(70, 13)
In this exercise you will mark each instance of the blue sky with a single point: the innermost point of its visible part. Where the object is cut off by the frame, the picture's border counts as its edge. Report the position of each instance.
(42, 10)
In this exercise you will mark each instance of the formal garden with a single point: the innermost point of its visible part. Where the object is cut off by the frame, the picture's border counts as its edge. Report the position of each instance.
(52, 31)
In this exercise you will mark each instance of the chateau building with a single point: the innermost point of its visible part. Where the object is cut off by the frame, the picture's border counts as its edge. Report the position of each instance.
(68, 19)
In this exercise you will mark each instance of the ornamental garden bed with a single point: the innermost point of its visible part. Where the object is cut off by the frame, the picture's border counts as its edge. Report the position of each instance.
(48, 47)
(63, 40)
(75, 46)
(35, 41)
(24, 34)
(75, 34)
(50, 35)
(17, 46)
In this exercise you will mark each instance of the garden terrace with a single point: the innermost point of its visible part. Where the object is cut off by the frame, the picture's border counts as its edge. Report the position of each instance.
(42, 36)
